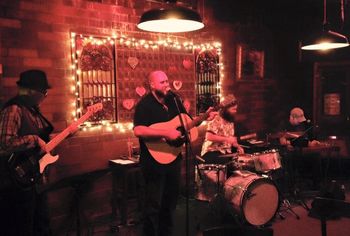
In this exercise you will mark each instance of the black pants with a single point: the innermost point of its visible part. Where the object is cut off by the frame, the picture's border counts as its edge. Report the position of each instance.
(23, 213)
(213, 158)
(161, 195)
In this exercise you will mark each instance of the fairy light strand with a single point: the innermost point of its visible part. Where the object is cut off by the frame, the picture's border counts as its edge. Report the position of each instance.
(122, 40)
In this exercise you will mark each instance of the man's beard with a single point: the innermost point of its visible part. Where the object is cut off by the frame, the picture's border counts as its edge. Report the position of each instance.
(228, 116)
(160, 94)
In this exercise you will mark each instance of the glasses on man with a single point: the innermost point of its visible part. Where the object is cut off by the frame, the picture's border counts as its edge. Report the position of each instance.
(44, 93)
(41, 92)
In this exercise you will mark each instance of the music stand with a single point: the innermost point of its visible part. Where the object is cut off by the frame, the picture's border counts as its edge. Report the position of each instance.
(325, 208)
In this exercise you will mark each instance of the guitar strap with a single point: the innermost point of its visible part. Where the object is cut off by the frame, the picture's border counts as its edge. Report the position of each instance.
(45, 132)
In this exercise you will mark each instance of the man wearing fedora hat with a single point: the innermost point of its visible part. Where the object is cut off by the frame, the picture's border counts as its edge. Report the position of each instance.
(23, 129)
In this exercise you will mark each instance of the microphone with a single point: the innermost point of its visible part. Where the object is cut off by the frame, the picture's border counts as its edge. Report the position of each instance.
(172, 93)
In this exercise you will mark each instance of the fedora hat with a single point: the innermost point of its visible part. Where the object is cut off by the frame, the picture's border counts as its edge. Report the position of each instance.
(33, 79)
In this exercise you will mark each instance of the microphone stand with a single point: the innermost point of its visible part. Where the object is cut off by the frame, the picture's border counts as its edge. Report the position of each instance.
(301, 201)
(188, 149)
(305, 132)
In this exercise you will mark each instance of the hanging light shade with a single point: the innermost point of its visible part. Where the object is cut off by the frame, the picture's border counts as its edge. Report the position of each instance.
(326, 39)
(172, 19)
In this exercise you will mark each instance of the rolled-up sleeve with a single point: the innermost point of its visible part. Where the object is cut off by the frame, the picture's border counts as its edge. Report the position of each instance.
(10, 123)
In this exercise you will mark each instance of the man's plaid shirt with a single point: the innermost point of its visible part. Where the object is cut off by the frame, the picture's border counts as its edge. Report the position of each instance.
(10, 123)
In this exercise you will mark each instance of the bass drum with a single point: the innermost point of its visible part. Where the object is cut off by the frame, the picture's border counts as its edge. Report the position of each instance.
(253, 197)
(210, 181)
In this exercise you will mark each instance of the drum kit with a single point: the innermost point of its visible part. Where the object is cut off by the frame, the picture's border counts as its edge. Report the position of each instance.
(249, 188)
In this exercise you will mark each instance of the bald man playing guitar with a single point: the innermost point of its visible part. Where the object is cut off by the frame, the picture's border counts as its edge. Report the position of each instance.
(156, 123)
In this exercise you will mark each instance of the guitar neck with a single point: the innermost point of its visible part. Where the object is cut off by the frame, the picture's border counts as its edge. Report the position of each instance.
(196, 121)
(67, 131)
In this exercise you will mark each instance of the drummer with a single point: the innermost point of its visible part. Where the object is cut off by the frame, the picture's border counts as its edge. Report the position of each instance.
(220, 136)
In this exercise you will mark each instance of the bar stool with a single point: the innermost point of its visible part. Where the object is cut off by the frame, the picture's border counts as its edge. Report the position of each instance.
(127, 184)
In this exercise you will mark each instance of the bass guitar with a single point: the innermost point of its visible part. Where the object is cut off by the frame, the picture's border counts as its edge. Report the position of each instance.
(25, 167)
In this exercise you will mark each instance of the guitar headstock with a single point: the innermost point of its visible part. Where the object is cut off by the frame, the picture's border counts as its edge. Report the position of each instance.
(95, 108)
(215, 107)
(218, 107)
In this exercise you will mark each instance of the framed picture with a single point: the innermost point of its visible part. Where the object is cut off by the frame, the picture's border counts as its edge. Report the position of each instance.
(249, 63)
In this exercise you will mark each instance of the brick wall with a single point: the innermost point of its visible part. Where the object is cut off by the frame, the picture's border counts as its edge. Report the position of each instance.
(36, 34)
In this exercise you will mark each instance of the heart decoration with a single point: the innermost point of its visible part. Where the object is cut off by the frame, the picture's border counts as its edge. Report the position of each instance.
(172, 69)
(187, 105)
(140, 90)
(177, 84)
(128, 103)
(187, 63)
(133, 62)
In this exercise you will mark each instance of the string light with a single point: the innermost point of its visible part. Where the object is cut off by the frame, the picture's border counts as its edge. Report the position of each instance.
(124, 40)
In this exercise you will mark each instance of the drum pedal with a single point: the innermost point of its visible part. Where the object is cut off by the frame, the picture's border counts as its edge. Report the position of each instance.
(300, 200)
(287, 207)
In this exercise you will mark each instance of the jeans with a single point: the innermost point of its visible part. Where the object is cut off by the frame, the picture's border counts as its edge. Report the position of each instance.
(161, 194)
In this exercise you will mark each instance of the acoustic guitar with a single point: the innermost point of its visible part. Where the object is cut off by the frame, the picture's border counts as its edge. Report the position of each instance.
(165, 152)
(25, 167)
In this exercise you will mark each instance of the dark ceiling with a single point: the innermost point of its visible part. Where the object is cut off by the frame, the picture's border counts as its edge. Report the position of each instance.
(299, 16)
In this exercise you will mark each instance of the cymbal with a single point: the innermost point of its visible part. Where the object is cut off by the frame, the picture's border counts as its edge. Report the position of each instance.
(229, 155)
(276, 135)
(285, 134)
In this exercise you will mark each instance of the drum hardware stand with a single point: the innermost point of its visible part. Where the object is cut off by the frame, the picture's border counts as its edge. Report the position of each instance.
(284, 202)
(296, 193)
(197, 167)
(299, 200)
(292, 182)
(218, 191)
(197, 173)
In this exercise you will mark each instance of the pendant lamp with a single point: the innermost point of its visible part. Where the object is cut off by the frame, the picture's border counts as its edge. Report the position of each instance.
(326, 39)
(170, 19)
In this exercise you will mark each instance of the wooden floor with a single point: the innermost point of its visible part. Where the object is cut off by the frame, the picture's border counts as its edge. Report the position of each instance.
(204, 215)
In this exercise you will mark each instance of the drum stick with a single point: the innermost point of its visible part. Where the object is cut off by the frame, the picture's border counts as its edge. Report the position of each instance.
(245, 146)
(199, 158)
(248, 136)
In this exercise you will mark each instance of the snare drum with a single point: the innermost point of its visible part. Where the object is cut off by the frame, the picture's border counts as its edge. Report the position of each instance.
(245, 162)
(267, 160)
(253, 197)
(209, 180)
